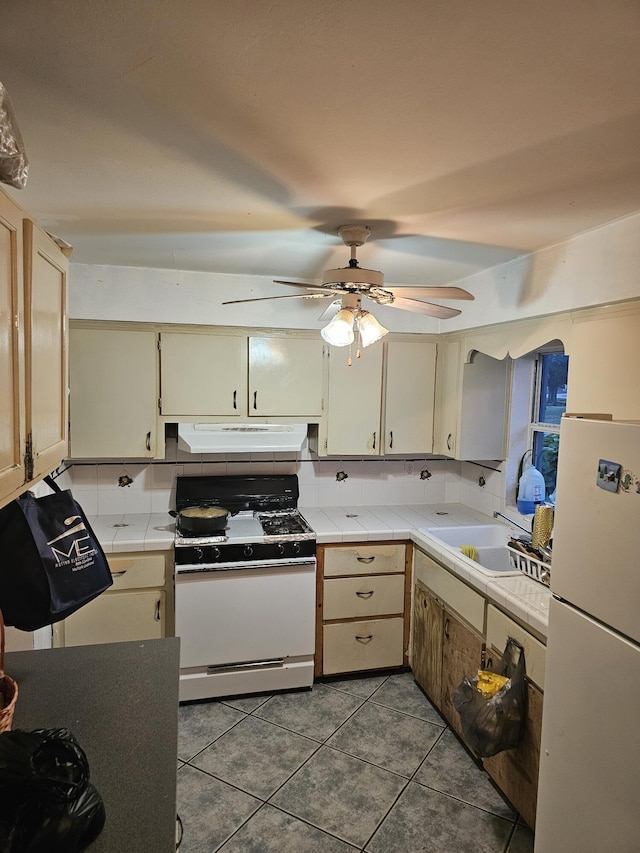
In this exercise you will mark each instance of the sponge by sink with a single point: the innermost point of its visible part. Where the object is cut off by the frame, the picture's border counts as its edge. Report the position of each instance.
(470, 551)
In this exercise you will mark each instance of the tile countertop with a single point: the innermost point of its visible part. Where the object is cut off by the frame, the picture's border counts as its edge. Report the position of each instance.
(521, 596)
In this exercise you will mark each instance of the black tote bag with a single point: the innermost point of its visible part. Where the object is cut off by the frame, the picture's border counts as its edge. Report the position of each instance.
(51, 563)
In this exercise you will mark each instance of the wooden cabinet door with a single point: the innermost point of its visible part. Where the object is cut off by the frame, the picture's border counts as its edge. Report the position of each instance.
(117, 617)
(409, 397)
(203, 375)
(285, 377)
(45, 277)
(354, 405)
(12, 414)
(515, 771)
(461, 655)
(447, 398)
(426, 648)
(113, 393)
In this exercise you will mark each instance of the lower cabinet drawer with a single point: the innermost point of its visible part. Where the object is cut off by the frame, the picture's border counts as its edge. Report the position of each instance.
(355, 598)
(352, 646)
(136, 571)
(358, 559)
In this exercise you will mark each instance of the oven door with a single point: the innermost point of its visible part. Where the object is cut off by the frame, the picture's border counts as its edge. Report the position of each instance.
(247, 616)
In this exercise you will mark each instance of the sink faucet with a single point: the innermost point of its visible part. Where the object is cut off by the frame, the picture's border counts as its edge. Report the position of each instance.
(515, 523)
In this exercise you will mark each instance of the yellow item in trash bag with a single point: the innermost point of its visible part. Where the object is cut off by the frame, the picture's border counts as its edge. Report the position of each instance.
(489, 683)
(470, 551)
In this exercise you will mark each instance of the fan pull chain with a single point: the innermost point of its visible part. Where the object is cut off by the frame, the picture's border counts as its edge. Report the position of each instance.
(349, 361)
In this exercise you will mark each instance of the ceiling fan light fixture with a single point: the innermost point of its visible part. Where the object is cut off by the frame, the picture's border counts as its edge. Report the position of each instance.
(370, 329)
(339, 332)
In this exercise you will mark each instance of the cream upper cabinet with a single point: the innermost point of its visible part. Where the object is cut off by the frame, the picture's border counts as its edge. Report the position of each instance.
(209, 375)
(45, 277)
(447, 408)
(382, 403)
(285, 377)
(471, 404)
(33, 352)
(409, 397)
(603, 363)
(113, 393)
(203, 374)
(12, 399)
(354, 403)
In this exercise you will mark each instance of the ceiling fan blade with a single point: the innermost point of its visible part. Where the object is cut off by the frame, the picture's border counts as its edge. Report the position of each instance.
(432, 292)
(429, 308)
(311, 287)
(315, 295)
(331, 309)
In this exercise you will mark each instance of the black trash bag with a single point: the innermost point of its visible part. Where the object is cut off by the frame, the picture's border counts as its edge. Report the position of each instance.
(47, 804)
(492, 725)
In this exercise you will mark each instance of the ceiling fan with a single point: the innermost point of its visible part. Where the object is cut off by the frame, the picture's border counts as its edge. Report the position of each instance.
(354, 282)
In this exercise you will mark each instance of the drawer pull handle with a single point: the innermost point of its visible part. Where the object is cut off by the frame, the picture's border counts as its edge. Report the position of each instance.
(391, 440)
(374, 441)
(366, 639)
(449, 437)
(118, 574)
(365, 559)
(235, 399)
(157, 611)
(255, 399)
(365, 594)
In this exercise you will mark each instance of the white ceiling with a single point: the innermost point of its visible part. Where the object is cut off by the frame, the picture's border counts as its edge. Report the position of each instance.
(235, 136)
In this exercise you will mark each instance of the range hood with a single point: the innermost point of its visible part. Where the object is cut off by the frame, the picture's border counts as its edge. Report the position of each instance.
(241, 438)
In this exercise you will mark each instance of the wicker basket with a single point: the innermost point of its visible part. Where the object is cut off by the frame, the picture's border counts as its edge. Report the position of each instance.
(8, 688)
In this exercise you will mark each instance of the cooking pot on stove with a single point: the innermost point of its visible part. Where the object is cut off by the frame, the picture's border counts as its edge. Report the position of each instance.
(201, 520)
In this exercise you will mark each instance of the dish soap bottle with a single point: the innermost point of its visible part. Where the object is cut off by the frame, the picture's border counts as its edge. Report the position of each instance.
(531, 490)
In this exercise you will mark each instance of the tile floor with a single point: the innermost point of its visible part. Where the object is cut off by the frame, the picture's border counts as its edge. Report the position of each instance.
(364, 764)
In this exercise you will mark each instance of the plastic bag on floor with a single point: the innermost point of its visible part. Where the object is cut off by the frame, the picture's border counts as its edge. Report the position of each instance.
(47, 804)
(493, 724)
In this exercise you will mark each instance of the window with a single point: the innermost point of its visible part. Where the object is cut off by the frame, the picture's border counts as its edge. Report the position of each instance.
(549, 402)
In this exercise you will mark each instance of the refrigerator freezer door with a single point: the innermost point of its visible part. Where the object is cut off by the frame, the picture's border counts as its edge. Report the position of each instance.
(590, 753)
(596, 535)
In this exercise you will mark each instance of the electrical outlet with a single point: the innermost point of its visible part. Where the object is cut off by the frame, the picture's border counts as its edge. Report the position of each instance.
(408, 468)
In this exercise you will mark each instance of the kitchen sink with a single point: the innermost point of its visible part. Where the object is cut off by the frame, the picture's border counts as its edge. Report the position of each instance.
(490, 541)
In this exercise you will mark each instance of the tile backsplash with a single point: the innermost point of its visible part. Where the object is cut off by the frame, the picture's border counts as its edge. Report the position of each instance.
(368, 481)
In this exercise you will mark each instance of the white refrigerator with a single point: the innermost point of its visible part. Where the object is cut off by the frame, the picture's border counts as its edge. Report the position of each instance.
(589, 788)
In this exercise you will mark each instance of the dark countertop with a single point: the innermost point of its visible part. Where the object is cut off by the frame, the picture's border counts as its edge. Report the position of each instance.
(120, 701)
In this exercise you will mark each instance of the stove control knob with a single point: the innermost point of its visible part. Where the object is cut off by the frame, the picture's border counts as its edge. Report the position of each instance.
(248, 550)
(279, 549)
(199, 553)
(295, 547)
(215, 553)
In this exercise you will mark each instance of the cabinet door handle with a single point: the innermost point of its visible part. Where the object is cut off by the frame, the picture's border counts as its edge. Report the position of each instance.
(449, 441)
(148, 441)
(365, 559)
(365, 594)
(366, 639)
(158, 610)
(255, 399)
(390, 439)
(446, 628)
(235, 399)
(374, 441)
(118, 574)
